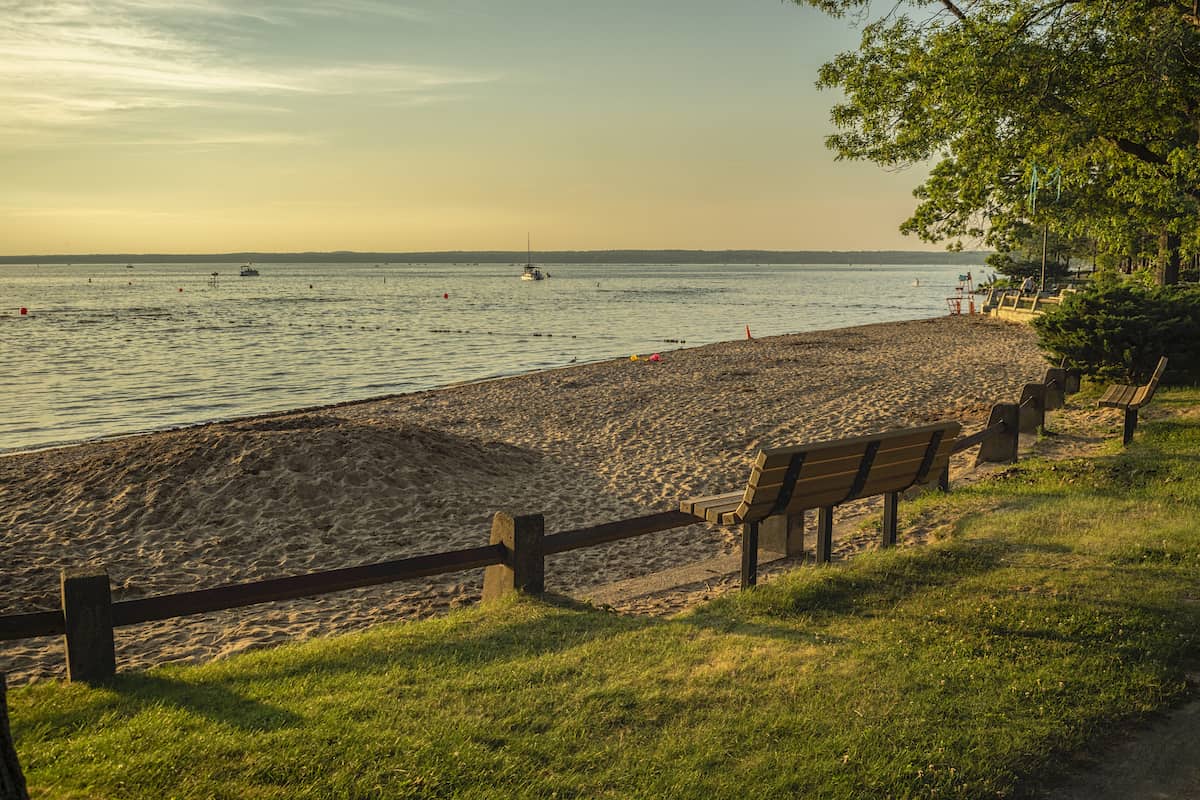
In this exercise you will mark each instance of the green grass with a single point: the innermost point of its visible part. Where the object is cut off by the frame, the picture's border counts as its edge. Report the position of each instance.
(1060, 607)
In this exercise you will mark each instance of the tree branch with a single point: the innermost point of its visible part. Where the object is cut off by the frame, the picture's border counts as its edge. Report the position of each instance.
(954, 10)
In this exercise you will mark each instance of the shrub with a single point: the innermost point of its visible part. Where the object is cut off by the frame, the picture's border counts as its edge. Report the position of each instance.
(1116, 330)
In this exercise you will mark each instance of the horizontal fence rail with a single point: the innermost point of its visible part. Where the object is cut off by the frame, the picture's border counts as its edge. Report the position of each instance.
(979, 437)
(514, 559)
(30, 626)
(615, 531)
(221, 598)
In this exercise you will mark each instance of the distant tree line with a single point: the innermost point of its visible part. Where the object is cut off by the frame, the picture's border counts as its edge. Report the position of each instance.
(851, 257)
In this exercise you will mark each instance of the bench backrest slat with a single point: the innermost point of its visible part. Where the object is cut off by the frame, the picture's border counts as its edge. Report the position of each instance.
(1146, 392)
(830, 473)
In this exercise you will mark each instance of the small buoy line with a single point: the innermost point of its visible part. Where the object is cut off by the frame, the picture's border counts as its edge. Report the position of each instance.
(455, 331)
(502, 333)
(532, 333)
(450, 330)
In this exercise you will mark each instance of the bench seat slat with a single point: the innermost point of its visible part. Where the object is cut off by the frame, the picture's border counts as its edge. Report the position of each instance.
(696, 505)
(713, 512)
(1117, 396)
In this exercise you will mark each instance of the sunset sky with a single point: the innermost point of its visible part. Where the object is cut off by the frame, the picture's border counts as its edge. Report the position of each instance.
(227, 125)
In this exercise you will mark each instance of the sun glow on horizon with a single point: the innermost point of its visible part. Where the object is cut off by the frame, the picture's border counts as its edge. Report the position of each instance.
(215, 126)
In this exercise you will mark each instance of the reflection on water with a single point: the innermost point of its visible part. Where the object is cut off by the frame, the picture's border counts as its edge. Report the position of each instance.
(106, 350)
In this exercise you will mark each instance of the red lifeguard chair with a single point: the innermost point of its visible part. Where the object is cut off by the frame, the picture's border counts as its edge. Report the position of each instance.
(965, 291)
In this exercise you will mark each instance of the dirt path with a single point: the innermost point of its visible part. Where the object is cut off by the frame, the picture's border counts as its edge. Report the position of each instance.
(1158, 762)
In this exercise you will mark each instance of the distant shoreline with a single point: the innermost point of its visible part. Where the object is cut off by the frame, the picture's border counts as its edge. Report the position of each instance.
(849, 257)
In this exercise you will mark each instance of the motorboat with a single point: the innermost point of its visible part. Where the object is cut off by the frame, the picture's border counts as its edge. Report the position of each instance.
(248, 271)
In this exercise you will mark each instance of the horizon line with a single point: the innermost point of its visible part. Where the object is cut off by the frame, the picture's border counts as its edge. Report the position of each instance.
(21, 258)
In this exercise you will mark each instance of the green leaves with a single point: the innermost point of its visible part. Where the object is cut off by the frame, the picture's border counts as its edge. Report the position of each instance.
(1107, 92)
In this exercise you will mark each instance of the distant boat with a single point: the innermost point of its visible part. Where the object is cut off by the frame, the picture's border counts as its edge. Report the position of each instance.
(248, 271)
(531, 272)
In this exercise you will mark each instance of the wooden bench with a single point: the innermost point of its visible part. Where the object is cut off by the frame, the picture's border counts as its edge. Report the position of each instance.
(787, 481)
(1131, 398)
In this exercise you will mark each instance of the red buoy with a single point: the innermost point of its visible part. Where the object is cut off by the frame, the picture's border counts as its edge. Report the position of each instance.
(181, 288)
(445, 295)
(748, 336)
(24, 311)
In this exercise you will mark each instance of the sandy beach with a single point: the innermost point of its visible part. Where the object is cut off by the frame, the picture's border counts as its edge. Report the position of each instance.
(419, 473)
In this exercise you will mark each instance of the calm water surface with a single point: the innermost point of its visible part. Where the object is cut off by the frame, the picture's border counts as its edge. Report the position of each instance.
(107, 350)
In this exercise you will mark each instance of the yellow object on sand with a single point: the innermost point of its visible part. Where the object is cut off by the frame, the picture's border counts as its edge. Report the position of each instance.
(633, 357)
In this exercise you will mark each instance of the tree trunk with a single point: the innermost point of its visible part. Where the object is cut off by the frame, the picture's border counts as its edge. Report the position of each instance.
(12, 783)
(1168, 259)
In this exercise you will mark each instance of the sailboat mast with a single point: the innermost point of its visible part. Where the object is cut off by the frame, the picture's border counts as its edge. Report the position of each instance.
(528, 252)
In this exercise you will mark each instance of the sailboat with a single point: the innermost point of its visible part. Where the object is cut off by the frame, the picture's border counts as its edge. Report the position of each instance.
(531, 272)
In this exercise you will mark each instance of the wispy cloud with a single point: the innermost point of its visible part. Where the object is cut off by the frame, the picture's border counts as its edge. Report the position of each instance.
(85, 64)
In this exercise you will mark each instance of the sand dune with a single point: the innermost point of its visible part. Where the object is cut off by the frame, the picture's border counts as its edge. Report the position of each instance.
(419, 473)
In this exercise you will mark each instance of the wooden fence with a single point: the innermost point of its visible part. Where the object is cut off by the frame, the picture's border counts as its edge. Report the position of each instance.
(514, 559)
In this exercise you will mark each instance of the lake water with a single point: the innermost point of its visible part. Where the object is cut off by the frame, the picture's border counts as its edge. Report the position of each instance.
(106, 350)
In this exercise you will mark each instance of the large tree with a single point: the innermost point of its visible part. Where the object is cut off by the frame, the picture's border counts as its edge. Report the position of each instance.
(1105, 93)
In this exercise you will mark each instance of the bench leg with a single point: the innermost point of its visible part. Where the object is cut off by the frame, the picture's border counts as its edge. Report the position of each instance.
(891, 507)
(1131, 415)
(825, 535)
(782, 534)
(749, 554)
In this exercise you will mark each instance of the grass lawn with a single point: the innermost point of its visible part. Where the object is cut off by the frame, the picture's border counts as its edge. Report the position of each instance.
(1061, 605)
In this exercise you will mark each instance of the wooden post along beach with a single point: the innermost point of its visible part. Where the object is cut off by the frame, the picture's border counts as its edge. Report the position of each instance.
(787, 481)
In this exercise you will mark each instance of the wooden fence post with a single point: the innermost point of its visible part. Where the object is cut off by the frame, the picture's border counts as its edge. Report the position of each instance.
(891, 512)
(1071, 384)
(87, 616)
(1056, 388)
(12, 782)
(1033, 407)
(1002, 447)
(825, 535)
(524, 570)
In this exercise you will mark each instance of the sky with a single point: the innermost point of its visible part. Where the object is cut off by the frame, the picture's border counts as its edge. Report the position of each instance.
(190, 126)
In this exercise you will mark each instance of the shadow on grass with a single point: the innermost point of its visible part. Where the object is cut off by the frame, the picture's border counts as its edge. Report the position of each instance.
(560, 623)
(213, 700)
(132, 693)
